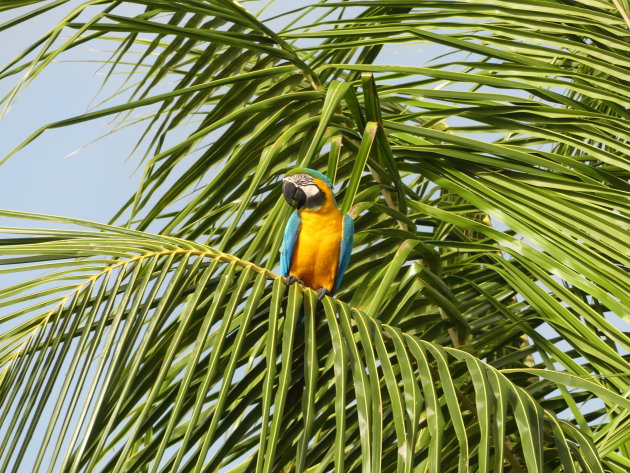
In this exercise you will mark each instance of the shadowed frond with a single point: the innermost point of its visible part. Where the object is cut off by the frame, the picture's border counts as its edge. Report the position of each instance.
(480, 324)
(160, 355)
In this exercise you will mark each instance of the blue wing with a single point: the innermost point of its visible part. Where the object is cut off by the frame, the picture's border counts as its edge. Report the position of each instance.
(345, 251)
(288, 243)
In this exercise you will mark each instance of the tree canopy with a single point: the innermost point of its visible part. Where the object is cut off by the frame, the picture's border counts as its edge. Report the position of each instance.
(480, 324)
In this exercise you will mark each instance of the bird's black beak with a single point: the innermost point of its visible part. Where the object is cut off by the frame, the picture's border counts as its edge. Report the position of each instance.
(293, 195)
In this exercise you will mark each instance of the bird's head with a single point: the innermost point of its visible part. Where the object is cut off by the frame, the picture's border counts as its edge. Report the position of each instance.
(305, 188)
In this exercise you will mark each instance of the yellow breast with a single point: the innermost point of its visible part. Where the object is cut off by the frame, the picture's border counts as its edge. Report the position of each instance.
(316, 254)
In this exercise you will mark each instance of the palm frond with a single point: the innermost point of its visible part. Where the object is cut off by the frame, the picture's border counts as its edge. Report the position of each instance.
(177, 357)
(479, 324)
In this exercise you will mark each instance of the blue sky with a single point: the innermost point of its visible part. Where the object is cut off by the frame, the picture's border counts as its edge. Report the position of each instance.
(48, 176)
(91, 184)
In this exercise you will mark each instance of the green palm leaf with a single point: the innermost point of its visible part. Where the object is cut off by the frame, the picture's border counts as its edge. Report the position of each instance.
(479, 326)
(169, 328)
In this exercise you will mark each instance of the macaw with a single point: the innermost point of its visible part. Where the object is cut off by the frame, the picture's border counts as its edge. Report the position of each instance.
(317, 240)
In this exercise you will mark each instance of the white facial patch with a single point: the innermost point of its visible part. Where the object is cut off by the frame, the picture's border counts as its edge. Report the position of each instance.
(304, 182)
(311, 190)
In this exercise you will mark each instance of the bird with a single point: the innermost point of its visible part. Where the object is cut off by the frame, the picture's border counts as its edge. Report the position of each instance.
(317, 241)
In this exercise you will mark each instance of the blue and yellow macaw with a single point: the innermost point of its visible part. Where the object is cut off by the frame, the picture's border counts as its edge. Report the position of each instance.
(317, 240)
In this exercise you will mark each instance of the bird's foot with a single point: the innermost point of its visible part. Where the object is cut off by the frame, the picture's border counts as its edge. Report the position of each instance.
(322, 292)
(292, 279)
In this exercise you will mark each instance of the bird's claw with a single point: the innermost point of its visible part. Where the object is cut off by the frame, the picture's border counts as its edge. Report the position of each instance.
(321, 292)
(292, 279)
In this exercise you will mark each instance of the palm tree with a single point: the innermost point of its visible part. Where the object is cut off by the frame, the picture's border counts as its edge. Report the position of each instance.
(477, 328)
